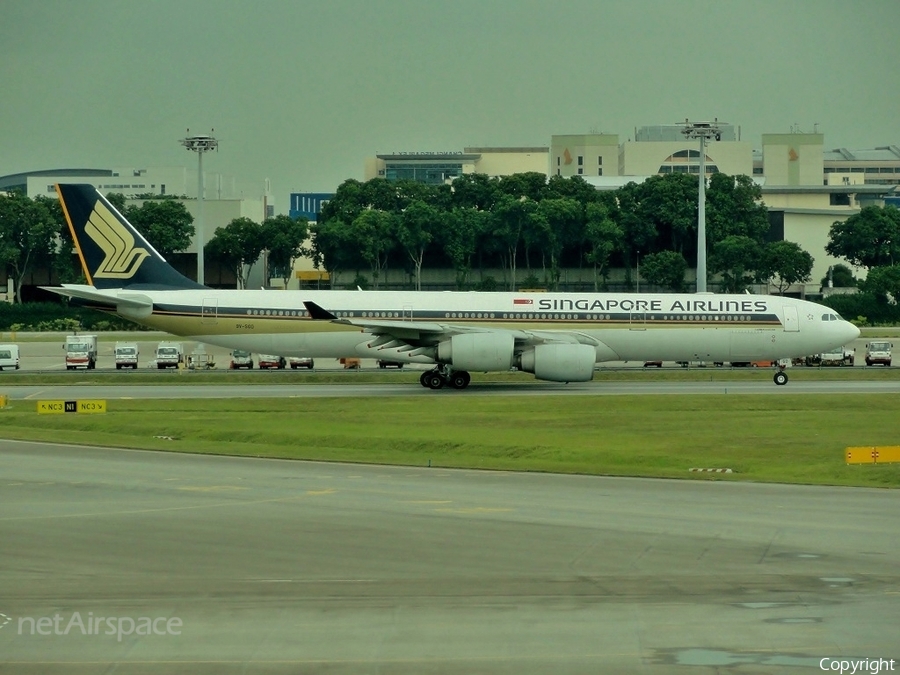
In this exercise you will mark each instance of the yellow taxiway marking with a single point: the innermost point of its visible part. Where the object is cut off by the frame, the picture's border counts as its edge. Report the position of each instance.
(326, 491)
(427, 501)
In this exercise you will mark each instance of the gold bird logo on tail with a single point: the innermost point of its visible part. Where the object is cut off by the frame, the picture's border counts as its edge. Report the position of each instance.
(121, 257)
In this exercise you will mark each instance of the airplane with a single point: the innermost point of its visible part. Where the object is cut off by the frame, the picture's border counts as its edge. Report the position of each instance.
(558, 337)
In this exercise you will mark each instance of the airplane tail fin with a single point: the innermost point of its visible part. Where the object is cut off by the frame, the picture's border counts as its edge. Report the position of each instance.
(113, 253)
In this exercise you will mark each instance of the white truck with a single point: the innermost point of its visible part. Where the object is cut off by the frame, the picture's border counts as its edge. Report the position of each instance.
(241, 358)
(169, 355)
(878, 353)
(81, 352)
(838, 357)
(126, 355)
(9, 356)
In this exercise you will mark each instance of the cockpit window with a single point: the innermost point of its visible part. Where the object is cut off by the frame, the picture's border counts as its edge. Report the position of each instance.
(831, 317)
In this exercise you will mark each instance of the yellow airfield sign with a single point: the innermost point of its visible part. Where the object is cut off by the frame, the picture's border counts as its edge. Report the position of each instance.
(87, 406)
(878, 454)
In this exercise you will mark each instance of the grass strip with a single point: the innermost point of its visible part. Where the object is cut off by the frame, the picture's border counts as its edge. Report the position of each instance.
(789, 439)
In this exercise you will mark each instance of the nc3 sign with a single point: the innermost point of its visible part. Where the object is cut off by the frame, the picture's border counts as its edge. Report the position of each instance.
(61, 407)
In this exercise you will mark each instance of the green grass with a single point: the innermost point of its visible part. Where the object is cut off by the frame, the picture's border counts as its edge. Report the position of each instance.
(793, 439)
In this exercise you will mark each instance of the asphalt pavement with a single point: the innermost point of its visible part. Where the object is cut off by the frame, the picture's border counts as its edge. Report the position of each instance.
(227, 565)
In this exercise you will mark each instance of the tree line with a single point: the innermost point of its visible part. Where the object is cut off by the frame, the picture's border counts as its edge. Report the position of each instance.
(526, 220)
(513, 222)
(869, 239)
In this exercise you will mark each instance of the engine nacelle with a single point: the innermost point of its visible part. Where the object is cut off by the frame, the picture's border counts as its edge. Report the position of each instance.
(560, 362)
(479, 352)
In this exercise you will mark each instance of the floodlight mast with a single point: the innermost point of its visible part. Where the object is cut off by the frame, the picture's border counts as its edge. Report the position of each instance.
(200, 144)
(704, 131)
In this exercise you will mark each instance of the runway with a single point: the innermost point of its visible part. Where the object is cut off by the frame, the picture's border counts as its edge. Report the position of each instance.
(283, 567)
(349, 390)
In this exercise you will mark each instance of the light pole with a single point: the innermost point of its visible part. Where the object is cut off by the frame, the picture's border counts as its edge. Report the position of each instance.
(200, 144)
(637, 275)
(704, 131)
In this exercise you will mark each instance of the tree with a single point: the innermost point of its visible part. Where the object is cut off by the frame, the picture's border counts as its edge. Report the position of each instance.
(867, 239)
(164, 223)
(737, 258)
(476, 191)
(574, 187)
(331, 247)
(374, 234)
(670, 203)
(734, 207)
(117, 199)
(603, 236)
(64, 263)
(665, 269)
(28, 232)
(466, 226)
(237, 246)
(417, 227)
(283, 238)
(508, 221)
(346, 205)
(884, 283)
(637, 232)
(840, 276)
(530, 184)
(784, 263)
(557, 221)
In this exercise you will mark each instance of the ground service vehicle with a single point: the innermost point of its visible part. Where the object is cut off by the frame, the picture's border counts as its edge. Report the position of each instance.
(837, 357)
(350, 363)
(383, 363)
(878, 353)
(81, 352)
(241, 359)
(301, 362)
(126, 355)
(9, 356)
(169, 355)
(268, 361)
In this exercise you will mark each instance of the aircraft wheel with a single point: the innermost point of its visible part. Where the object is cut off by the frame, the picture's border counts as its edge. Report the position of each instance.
(433, 380)
(460, 379)
(780, 378)
(423, 376)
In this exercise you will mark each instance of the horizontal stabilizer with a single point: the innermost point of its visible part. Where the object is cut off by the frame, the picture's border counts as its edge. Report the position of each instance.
(129, 304)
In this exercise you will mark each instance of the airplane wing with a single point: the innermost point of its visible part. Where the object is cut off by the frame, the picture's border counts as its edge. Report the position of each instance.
(410, 336)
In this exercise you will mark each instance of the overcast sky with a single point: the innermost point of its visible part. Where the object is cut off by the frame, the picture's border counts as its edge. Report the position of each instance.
(302, 92)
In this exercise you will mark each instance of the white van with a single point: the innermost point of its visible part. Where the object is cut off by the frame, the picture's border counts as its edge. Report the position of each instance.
(9, 356)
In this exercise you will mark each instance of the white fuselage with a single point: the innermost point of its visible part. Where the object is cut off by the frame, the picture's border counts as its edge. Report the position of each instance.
(624, 326)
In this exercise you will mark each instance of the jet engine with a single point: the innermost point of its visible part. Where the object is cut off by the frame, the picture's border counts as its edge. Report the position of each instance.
(480, 352)
(559, 362)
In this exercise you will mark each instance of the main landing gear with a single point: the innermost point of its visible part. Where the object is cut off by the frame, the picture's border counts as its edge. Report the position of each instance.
(780, 377)
(443, 376)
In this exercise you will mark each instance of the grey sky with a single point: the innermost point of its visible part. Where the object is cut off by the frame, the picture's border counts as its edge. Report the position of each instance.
(302, 92)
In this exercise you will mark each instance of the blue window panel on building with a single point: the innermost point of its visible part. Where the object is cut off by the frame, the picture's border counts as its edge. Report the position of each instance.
(308, 204)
